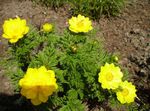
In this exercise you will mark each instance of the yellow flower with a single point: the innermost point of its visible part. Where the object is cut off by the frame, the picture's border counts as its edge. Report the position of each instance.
(38, 84)
(47, 27)
(110, 76)
(80, 24)
(127, 93)
(14, 29)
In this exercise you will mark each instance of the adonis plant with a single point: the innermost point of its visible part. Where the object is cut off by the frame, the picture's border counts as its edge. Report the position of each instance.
(61, 72)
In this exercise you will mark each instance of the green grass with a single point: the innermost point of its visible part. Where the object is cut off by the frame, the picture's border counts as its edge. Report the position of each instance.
(96, 8)
(91, 8)
(52, 3)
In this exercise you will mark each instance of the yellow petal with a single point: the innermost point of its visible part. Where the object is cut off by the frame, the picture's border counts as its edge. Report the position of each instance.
(32, 93)
(13, 40)
(42, 97)
(26, 30)
(36, 101)
(6, 36)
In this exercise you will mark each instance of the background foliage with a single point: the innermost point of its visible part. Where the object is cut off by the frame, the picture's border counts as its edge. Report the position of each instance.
(91, 8)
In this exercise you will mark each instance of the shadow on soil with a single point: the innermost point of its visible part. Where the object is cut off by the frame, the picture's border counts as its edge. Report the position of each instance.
(14, 103)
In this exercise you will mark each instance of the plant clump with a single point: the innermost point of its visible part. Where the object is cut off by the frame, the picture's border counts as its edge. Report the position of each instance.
(83, 69)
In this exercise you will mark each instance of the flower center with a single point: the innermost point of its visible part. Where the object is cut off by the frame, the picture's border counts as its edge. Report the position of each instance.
(80, 23)
(125, 92)
(109, 76)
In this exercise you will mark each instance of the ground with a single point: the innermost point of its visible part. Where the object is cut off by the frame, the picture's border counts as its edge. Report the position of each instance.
(127, 35)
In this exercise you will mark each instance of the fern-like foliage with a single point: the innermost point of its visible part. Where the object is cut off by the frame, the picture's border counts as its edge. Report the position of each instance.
(76, 60)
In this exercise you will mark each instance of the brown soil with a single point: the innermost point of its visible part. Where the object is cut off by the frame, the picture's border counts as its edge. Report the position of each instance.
(127, 34)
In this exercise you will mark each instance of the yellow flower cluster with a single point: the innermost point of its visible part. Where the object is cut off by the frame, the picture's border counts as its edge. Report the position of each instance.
(80, 24)
(47, 27)
(38, 84)
(110, 77)
(14, 29)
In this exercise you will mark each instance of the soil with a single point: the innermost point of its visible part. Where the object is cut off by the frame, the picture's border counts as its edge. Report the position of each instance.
(127, 35)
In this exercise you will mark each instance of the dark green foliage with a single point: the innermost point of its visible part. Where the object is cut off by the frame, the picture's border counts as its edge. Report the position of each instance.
(52, 3)
(73, 105)
(95, 8)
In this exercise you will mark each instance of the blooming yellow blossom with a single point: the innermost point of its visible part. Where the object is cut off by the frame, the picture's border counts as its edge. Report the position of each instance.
(127, 93)
(47, 27)
(38, 84)
(14, 29)
(80, 24)
(110, 76)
